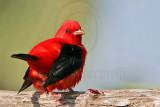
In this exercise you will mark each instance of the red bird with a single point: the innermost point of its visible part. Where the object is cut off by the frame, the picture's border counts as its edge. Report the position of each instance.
(56, 63)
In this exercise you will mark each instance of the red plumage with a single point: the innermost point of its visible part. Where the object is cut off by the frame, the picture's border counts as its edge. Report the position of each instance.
(48, 51)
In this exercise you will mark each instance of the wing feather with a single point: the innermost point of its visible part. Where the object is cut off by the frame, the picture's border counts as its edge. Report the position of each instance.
(69, 60)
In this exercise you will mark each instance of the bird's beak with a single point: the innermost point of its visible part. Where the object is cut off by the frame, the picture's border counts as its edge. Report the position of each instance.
(78, 32)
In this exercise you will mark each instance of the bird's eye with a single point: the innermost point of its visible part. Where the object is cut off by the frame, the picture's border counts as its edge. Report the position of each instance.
(67, 30)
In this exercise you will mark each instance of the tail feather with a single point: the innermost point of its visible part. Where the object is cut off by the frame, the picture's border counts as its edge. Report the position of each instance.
(27, 81)
(27, 73)
(26, 84)
(24, 57)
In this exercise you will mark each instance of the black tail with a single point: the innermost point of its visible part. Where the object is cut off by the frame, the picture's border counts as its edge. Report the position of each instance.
(27, 81)
(26, 84)
(24, 57)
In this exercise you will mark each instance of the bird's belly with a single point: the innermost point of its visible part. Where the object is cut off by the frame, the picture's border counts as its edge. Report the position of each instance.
(64, 84)
(68, 82)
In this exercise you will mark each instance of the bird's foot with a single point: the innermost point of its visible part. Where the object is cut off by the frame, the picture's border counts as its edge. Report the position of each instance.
(46, 91)
(72, 91)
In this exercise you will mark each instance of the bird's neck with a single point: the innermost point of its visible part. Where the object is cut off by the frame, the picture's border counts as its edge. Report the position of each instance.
(71, 39)
(75, 41)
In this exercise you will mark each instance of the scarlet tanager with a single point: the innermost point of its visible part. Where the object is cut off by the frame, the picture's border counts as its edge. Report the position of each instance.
(56, 63)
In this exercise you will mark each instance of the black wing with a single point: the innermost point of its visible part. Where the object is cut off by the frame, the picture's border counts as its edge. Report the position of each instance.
(69, 60)
(24, 57)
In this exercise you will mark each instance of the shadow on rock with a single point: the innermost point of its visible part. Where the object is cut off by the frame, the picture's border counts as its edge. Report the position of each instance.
(35, 99)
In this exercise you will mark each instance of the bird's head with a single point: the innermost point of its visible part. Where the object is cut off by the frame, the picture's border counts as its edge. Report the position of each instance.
(71, 32)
